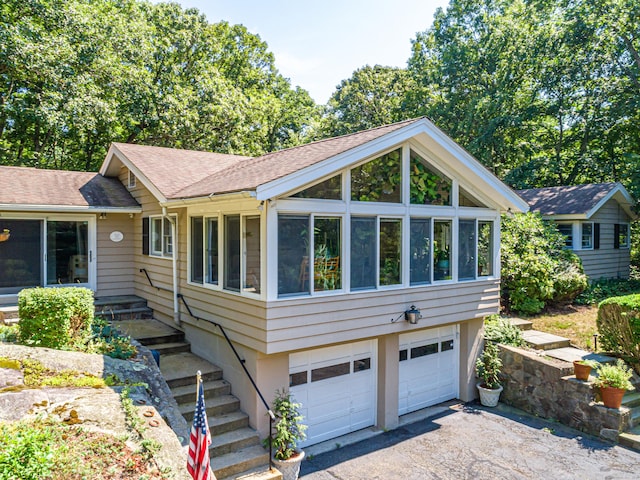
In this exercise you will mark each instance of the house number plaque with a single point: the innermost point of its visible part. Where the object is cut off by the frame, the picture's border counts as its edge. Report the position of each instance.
(116, 236)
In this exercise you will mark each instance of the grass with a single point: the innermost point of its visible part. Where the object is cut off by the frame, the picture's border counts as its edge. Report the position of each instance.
(577, 323)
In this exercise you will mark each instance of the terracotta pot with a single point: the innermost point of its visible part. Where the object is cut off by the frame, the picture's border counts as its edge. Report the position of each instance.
(4, 236)
(581, 371)
(290, 468)
(489, 397)
(611, 396)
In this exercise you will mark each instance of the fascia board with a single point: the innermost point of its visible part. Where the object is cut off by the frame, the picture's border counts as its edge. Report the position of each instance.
(66, 209)
(106, 169)
(568, 217)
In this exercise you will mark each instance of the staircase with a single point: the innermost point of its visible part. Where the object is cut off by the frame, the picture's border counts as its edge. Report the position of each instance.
(559, 348)
(235, 449)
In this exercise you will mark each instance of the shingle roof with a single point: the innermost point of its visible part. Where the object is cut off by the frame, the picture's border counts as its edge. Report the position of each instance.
(31, 186)
(172, 169)
(571, 200)
(188, 174)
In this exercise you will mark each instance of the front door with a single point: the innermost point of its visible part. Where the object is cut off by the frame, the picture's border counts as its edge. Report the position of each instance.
(46, 252)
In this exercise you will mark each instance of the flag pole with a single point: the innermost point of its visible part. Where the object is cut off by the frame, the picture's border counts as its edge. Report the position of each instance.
(198, 380)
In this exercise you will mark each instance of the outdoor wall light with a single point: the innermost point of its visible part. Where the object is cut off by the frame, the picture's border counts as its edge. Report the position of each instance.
(412, 315)
(103, 216)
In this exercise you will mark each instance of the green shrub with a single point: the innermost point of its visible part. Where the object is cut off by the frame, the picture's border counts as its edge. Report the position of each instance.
(488, 366)
(536, 269)
(603, 288)
(619, 327)
(108, 341)
(55, 317)
(500, 330)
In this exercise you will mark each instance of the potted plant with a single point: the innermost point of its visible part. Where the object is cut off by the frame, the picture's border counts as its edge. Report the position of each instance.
(488, 370)
(613, 381)
(582, 368)
(289, 430)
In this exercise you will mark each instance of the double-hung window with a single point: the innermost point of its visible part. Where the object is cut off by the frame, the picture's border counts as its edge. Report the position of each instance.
(586, 242)
(566, 229)
(161, 236)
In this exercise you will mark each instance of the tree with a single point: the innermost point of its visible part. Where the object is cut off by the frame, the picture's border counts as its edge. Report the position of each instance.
(373, 96)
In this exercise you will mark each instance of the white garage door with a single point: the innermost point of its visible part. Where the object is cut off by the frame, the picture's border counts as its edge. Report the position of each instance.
(428, 372)
(336, 387)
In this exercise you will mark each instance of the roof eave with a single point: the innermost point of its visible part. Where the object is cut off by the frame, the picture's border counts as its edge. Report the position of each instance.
(12, 207)
(186, 201)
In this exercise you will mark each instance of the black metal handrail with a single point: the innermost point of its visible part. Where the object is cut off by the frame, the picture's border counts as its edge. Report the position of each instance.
(151, 283)
(272, 416)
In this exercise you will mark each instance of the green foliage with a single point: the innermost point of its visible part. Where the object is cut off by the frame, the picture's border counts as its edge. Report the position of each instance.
(619, 327)
(288, 428)
(536, 269)
(36, 375)
(614, 375)
(589, 363)
(500, 330)
(9, 333)
(26, 451)
(55, 317)
(599, 290)
(488, 366)
(108, 341)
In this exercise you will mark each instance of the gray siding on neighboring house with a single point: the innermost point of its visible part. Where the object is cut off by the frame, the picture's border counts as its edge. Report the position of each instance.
(607, 261)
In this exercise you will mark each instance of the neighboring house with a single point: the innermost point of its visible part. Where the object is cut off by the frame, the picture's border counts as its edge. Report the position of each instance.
(304, 256)
(595, 220)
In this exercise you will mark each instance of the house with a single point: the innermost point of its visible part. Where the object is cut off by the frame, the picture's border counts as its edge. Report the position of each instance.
(355, 271)
(596, 221)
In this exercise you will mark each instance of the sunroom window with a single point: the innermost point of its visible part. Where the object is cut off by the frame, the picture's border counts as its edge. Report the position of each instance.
(466, 249)
(232, 253)
(204, 250)
(390, 251)
(427, 185)
(330, 189)
(296, 241)
(379, 180)
(442, 250)
(161, 236)
(485, 248)
(375, 253)
(420, 251)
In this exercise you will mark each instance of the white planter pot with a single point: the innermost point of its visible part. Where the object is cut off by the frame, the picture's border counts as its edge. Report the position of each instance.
(489, 397)
(290, 469)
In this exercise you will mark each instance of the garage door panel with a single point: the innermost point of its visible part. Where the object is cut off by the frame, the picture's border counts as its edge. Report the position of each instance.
(428, 370)
(339, 396)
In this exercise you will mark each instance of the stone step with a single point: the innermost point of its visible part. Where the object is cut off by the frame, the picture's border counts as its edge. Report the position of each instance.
(9, 313)
(634, 421)
(543, 340)
(215, 406)
(180, 369)
(234, 463)
(118, 302)
(170, 347)
(149, 331)
(260, 473)
(232, 441)
(569, 354)
(631, 399)
(137, 313)
(521, 323)
(631, 439)
(187, 393)
(228, 421)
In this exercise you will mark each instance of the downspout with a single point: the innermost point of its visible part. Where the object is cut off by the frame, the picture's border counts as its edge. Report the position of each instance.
(174, 266)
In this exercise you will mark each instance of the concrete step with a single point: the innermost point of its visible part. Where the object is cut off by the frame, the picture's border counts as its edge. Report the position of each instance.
(137, 313)
(232, 441)
(569, 354)
(521, 323)
(543, 340)
(9, 313)
(228, 421)
(233, 463)
(149, 331)
(631, 439)
(118, 302)
(635, 417)
(215, 406)
(631, 399)
(215, 388)
(180, 369)
(170, 347)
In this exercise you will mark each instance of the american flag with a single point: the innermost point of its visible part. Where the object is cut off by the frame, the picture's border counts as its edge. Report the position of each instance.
(198, 459)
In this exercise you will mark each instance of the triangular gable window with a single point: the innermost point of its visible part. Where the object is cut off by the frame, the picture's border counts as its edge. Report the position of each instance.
(330, 189)
(379, 180)
(465, 199)
(428, 186)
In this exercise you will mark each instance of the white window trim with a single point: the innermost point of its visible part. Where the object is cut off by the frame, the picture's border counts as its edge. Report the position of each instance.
(164, 253)
(574, 229)
(580, 228)
(131, 179)
(627, 244)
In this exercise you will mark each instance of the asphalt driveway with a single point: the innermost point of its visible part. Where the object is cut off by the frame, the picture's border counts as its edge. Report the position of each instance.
(473, 442)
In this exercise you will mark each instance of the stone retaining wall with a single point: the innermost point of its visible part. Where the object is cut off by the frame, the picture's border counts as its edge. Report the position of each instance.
(547, 388)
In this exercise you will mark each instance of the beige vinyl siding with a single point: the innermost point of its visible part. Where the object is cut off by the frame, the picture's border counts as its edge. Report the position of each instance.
(114, 259)
(607, 261)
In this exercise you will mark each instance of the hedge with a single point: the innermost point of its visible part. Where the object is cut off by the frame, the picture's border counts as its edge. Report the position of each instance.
(619, 327)
(55, 317)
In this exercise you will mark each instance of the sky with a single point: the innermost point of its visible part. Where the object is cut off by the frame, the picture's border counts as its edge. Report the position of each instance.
(317, 44)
